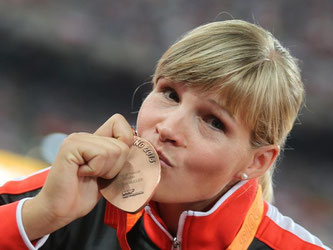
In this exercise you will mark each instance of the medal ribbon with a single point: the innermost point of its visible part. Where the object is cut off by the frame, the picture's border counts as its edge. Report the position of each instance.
(250, 225)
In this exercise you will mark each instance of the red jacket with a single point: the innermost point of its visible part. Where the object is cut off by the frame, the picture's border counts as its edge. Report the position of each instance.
(214, 229)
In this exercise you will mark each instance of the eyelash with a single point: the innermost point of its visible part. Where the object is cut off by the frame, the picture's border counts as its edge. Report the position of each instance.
(171, 90)
(219, 126)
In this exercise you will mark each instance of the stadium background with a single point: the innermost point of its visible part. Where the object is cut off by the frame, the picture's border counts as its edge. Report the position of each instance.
(68, 65)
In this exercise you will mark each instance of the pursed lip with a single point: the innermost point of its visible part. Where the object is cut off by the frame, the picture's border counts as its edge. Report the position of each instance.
(163, 158)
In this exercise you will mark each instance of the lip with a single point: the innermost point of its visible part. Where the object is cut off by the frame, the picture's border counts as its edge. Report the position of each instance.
(163, 159)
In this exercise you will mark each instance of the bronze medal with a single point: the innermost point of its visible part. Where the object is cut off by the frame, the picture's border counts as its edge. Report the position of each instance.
(136, 182)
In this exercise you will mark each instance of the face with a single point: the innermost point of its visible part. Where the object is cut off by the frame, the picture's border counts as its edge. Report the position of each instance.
(202, 147)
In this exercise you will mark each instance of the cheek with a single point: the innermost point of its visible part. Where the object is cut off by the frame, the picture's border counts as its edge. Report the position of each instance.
(140, 122)
(214, 164)
(212, 172)
(145, 115)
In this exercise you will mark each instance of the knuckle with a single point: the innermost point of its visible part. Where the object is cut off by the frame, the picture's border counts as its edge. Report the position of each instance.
(98, 166)
(67, 143)
(104, 153)
(75, 136)
(116, 151)
(124, 148)
(120, 149)
(71, 141)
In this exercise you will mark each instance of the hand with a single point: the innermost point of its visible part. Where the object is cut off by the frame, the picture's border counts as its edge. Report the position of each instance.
(71, 189)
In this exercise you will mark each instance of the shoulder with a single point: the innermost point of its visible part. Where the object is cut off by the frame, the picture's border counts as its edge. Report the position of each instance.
(281, 232)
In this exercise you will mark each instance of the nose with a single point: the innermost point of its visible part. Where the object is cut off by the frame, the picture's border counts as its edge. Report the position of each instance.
(171, 129)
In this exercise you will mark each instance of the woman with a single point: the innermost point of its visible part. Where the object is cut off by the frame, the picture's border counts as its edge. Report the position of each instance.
(225, 97)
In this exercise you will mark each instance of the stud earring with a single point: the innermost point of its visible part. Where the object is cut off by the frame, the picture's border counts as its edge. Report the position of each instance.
(244, 176)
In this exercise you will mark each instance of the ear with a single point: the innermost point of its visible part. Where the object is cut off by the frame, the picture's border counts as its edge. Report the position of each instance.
(263, 158)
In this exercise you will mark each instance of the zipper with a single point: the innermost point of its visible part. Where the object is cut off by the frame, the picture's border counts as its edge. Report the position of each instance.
(176, 242)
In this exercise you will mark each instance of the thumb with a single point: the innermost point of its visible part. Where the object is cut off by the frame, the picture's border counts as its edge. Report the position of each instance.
(117, 127)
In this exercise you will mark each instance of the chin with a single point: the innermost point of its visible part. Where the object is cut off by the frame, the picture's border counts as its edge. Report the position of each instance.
(169, 197)
(163, 197)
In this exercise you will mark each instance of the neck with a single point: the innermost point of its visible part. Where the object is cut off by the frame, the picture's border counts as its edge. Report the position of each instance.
(170, 212)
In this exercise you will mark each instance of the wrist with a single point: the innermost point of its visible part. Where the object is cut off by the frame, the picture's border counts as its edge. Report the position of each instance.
(28, 243)
(38, 220)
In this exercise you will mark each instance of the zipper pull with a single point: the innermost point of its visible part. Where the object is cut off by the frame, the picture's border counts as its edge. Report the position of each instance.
(175, 243)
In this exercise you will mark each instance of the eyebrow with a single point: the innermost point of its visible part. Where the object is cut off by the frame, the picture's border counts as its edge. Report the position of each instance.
(222, 107)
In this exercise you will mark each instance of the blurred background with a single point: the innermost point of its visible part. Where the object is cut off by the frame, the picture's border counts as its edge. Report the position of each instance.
(68, 65)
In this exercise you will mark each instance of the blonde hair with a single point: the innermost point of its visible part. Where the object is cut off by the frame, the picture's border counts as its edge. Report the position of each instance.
(258, 80)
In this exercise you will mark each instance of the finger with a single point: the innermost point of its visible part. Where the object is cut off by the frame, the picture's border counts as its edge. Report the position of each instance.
(110, 173)
(104, 157)
(117, 127)
(79, 149)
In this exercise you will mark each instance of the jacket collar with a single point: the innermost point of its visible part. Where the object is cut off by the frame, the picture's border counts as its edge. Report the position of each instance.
(215, 228)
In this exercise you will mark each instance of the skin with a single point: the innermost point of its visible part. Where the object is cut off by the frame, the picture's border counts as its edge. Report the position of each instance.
(201, 141)
(71, 189)
(203, 151)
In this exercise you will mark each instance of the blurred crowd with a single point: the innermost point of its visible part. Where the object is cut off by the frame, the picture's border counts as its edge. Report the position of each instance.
(68, 65)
